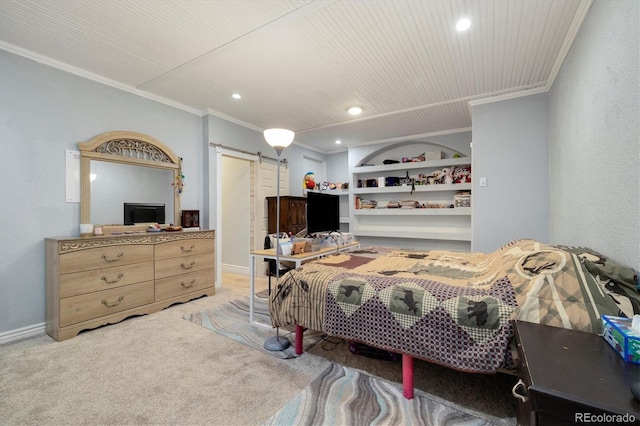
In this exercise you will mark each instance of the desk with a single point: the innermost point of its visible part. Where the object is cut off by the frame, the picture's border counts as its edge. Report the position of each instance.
(565, 372)
(297, 259)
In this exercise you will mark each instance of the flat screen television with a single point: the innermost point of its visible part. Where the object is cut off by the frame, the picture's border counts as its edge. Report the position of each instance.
(143, 213)
(323, 212)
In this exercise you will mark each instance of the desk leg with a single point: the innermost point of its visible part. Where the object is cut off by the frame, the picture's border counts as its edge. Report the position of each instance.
(252, 279)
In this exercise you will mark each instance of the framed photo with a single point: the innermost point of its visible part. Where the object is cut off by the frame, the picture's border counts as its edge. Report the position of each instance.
(190, 218)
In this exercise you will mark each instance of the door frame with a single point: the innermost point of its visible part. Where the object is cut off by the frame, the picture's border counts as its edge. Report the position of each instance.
(253, 159)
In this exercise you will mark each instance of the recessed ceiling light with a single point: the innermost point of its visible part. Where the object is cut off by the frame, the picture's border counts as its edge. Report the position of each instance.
(355, 110)
(236, 96)
(463, 24)
(338, 141)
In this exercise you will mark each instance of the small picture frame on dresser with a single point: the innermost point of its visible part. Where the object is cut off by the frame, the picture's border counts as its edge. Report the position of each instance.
(190, 218)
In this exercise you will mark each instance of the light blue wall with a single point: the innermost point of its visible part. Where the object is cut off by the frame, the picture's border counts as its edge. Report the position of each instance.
(294, 155)
(595, 138)
(338, 167)
(510, 150)
(43, 112)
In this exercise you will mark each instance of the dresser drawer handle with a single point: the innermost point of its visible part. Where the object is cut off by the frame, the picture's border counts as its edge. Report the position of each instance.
(187, 250)
(108, 281)
(189, 266)
(193, 281)
(113, 259)
(515, 393)
(111, 305)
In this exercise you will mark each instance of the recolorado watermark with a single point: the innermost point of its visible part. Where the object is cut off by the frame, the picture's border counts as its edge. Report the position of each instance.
(604, 418)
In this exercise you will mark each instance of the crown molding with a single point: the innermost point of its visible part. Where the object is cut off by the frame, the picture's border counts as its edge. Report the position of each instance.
(574, 28)
(225, 117)
(507, 96)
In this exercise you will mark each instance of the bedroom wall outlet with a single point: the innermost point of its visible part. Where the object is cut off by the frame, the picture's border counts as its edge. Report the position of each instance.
(483, 181)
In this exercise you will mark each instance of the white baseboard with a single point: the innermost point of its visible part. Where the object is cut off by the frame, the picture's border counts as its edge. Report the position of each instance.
(33, 330)
(22, 333)
(235, 269)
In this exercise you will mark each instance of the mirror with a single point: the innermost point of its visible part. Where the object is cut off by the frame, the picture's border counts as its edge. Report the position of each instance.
(113, 184)
(119, 167)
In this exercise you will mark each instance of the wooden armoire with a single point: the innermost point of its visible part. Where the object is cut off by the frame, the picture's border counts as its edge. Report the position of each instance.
(292, 214)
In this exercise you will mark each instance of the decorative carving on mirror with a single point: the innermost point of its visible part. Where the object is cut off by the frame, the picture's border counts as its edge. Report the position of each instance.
(130, 148)
(134, 148)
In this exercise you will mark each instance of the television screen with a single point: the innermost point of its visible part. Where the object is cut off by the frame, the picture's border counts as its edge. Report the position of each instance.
(323, 212)
(143, 213)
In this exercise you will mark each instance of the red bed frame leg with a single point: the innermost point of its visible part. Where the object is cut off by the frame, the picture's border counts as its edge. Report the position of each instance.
(407, 376)
(299, 333)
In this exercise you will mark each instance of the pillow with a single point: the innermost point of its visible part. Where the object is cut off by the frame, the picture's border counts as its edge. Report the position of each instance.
(605, 268)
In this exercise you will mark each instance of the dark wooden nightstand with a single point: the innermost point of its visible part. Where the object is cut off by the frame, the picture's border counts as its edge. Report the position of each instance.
(567, 376)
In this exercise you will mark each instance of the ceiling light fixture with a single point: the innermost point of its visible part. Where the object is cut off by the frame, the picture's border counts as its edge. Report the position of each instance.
(463, 24)
(338, 141)
(355, 110)
(236, 96)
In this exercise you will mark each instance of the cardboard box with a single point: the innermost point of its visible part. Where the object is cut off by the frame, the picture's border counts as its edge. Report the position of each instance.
(462, 199)
(434, 155)
(623, 339)
(301, 245)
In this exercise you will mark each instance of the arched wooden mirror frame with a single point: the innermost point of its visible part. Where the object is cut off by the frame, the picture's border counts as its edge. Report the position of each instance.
(132, 148)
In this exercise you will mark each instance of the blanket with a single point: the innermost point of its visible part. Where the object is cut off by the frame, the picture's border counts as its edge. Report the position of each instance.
(446, 307)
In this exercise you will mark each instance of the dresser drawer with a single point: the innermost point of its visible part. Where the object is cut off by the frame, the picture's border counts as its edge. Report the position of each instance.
(104, 279)
(181, 265)
(104, 257)
(93, 305)
(184, 247)
(169, 287)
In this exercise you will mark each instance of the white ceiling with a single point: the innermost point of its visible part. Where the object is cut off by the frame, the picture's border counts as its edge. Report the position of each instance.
(301, 64)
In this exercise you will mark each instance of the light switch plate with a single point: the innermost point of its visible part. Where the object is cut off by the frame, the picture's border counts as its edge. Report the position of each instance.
(483, 181)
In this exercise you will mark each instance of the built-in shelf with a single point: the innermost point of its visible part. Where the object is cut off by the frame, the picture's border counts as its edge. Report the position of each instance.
(458, 211)
(413, 165)
(404, 189)
(432, 233)
(330, 191)
(446, 224)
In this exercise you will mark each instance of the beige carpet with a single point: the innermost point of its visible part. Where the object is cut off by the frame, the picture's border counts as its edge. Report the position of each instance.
(153, 369)
(161, 369)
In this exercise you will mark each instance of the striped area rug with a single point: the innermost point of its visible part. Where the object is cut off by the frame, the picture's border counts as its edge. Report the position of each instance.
(341, 395)
(232, 320)
(344, 396)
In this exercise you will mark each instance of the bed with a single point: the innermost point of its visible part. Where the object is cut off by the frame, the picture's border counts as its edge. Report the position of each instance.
(449, 308)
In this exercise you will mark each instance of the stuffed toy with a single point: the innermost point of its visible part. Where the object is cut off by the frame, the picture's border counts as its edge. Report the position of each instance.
(462, 174)
(435, 177)
(309, 181)
(447, 175)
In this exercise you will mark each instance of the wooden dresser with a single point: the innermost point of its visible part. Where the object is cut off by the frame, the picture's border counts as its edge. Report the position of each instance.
(293, 214)
(95, 281)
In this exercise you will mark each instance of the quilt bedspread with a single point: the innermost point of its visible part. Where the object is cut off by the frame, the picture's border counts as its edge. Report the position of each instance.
(446, 307)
